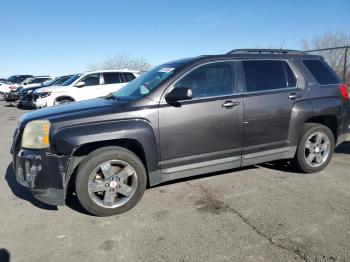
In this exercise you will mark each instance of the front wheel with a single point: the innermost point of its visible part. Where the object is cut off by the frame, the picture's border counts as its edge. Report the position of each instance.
(315, 148)
(110, 181)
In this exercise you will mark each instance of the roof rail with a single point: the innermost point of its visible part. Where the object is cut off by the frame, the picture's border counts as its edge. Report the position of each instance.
(264, 51)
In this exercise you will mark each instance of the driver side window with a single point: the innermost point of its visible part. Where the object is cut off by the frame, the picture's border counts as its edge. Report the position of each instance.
(215, 79)
(91, 80)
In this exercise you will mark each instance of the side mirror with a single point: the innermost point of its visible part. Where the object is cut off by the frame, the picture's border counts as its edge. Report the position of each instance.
(178, 94)
(80, 84)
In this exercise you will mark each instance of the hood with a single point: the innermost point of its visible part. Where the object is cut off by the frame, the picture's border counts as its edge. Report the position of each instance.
(73, 110)
(28, 87)
(33, 88)
(55, 89)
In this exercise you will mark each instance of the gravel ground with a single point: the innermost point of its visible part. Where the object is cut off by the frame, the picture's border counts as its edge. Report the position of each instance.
(259, 213)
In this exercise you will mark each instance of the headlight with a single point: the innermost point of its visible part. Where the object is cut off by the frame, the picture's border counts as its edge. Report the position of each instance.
(44, 94)
(36, 134)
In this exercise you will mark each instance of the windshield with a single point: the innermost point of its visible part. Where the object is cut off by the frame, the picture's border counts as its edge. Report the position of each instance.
(15, 79)
(147, 82)
(70, 80)
(61, 80)
(49, 82)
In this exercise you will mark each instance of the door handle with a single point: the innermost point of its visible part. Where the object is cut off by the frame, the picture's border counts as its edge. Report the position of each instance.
(294, 96)
(230, 104)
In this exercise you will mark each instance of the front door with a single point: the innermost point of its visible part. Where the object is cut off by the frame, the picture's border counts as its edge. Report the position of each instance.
(203, 134)
(91, 88)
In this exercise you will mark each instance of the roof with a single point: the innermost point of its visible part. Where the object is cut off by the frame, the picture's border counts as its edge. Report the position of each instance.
(247, 54)
(112, 71)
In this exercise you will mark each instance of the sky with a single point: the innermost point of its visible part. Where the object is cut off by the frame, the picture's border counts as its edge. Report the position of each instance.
(67, 36)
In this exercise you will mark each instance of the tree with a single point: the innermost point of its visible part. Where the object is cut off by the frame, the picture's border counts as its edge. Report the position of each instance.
(335, 58)
(123, 61)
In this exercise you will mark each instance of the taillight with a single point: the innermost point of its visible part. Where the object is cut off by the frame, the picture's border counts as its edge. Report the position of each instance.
(12, 88)
(344, 91)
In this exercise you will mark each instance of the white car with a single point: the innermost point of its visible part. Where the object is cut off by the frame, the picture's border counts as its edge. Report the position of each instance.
(6, 87)
(85, 86)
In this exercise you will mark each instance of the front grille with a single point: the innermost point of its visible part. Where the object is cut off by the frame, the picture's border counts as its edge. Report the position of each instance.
(22, 94)
(34, 97)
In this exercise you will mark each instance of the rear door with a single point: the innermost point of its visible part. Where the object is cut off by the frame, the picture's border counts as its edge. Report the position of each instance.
(271, 89)
(113, 81)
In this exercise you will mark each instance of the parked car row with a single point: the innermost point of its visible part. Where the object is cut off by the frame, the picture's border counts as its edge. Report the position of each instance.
(20, 81)
(39, 92)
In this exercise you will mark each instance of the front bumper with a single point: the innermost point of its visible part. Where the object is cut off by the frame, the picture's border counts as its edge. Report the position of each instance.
(12, 96)
(43, 173)
(40, 102)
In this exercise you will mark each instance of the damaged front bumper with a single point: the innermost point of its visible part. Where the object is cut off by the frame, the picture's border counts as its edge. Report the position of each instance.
(43, 173)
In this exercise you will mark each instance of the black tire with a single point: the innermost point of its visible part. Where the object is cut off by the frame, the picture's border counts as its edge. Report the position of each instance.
(299, 161)
(91, 162)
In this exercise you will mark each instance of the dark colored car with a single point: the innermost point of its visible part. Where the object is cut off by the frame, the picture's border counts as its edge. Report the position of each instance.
(17, 79)
(181, 119)
(26, 95)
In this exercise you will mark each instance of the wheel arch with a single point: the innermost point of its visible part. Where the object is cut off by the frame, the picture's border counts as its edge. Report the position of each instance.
(330, 121)
(58, 98)
(79, 141)
(322, 111)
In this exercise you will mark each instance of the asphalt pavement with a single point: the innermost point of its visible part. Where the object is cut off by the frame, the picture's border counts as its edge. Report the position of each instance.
(259, 213)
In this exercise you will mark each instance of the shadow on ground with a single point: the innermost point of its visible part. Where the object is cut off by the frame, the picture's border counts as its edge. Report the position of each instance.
(22, 192)
(4, 255)
(25, 194)
(179, 180)
(344, 148)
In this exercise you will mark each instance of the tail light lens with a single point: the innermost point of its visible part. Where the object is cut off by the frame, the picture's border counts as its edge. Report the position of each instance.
(12, 88)
(344, 91)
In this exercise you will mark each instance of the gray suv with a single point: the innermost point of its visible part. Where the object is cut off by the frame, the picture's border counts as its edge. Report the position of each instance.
(181, 119)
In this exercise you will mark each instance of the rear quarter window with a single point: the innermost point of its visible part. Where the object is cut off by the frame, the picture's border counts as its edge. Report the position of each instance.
(322, 73)
(129, 77)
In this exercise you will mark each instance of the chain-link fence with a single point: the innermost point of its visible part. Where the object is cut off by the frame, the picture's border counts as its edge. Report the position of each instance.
(338, 58)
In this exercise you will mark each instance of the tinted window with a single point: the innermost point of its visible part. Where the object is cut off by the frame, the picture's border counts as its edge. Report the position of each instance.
(70, 80)
(210, 80)
(112, 78)
(61, 80)
(268, 75)
(40, 80)
(16, 79)
(91, 80)
(128, 77)
(321, 72)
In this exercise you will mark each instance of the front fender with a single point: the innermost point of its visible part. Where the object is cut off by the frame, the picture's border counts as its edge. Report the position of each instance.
(67, 139)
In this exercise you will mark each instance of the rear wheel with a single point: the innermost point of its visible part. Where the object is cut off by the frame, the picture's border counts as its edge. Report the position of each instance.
(315, 148)
(110, 181)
